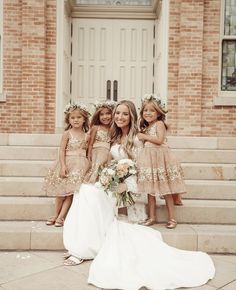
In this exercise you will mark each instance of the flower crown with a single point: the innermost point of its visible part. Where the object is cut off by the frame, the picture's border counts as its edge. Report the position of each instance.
(72, 106)
(157, 99)
(105, 104)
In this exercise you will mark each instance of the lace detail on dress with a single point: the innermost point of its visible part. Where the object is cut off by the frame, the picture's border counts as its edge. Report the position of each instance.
(161, 174)
(137, 213)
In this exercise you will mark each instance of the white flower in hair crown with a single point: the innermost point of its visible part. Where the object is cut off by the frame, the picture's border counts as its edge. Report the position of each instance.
(105, 104)
(156, 98)
(72, 106)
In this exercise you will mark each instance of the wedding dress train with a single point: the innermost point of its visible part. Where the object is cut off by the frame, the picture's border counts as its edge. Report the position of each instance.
(127, 256)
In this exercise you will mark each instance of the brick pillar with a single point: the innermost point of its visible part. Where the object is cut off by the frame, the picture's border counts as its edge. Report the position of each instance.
(50, 58)
(33, 66)
(29, 66)
(173, 65)
(190, 67)
(10, 116)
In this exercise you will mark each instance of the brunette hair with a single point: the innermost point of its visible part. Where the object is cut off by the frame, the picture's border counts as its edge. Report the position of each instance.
(95, 119)
(143, 124)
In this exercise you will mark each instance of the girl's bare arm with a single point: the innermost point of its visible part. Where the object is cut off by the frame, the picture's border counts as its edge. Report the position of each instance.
(158, 139)
(91, 141)
(62, 153)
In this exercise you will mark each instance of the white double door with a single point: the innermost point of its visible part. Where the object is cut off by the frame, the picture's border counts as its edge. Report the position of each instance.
(112, 59)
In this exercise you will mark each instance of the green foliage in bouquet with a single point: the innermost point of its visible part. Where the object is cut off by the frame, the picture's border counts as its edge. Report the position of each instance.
(114, 174)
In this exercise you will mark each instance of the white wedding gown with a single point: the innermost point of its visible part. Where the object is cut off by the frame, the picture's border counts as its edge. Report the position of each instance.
(127, 256)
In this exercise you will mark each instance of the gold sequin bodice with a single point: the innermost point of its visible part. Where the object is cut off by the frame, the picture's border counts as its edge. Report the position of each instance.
(152, 131)
(76, 146)
(102, 139)
(102, 136)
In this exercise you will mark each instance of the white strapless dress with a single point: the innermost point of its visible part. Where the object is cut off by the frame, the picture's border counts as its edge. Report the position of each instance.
(127, 256)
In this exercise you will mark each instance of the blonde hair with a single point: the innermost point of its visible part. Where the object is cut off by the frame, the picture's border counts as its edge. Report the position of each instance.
(143, 124)
(96, 116)
(83, 113)
(116, 132)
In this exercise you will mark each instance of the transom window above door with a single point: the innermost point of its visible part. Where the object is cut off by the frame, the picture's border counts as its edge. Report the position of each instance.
(116, 2)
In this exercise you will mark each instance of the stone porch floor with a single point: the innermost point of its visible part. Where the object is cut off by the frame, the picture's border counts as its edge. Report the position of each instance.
(43, 270)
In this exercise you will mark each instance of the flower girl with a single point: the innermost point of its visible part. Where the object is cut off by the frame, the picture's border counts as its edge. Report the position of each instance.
(68, 172)
(158, 170)
(99, 141)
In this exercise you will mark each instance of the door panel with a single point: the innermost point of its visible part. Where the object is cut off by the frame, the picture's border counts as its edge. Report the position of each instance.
(133, 58)
(91, 59)
(115, 50)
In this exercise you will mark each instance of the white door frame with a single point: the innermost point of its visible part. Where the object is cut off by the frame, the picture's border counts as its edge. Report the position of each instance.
(68, 8)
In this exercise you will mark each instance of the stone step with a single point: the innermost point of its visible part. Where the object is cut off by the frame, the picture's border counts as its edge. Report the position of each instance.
(174, 141)
(211, 189)
(37, 236)
(28, 153)
(209, 171)
(21, 186)
(205, 156)
(193, 211)
(38, 168)
(30, 139)
(51, 153)
(196, 189)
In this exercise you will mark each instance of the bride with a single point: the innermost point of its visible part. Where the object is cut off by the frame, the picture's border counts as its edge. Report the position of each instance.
(126, 256)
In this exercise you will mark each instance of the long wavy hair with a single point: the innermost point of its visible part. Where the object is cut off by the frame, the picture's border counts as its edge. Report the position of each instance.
(143, 124)
(96, 116)
(116, 132)
(83, 113)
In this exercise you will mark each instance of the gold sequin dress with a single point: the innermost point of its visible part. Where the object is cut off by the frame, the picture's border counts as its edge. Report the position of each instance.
(159, 172)
(77, 165)
(100, 154)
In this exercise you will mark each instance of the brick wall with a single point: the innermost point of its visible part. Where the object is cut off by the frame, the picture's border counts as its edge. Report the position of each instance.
(29, 66)
(193, 71)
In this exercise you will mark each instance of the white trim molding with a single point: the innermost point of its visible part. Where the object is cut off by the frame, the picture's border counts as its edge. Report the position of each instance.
(63, 47)
(59, 67)
(114, 11)
(225, 101)
(165, 48)
(224, 98)
(2, 95)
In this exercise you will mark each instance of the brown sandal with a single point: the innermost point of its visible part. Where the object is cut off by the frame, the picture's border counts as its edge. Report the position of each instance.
(150, 222)
(51, 221)
(59, 222)
(171, 224)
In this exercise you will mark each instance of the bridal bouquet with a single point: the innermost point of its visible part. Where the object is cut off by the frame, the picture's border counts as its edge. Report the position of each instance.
(114, 174)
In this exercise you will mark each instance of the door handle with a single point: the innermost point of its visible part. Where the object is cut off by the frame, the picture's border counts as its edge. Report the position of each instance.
(108, 89)
(115, 90)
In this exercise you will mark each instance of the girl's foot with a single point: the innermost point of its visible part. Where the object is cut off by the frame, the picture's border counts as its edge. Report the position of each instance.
(150, 222)
(59, 222)
(51, 221)
(177, 199)
(179, 203)
(66, 255)
(73, 261)
(171, 224)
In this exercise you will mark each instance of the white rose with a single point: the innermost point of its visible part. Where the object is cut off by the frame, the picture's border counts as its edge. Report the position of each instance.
(110, 171)
(132, 171)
